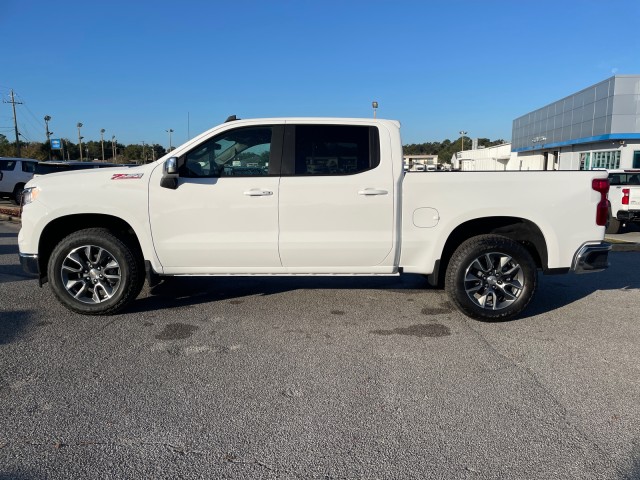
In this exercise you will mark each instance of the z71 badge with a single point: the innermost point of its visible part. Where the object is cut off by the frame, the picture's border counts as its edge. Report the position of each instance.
(126, 176)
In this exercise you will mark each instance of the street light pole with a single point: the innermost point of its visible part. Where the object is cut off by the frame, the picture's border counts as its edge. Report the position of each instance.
(144, 153)
(46, 124)
(170, 131)
(113, 148)
(79, 125)
(462, 133)
(374, 104)
(102, 130)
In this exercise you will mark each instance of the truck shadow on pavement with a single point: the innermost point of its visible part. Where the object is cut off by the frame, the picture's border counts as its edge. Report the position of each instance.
(188, 291)
(553, 291)
(9, 250)
(15, 324)
(558, 291)
(13, 273)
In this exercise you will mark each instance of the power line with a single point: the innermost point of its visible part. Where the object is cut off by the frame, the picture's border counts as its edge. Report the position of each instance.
(39, 125)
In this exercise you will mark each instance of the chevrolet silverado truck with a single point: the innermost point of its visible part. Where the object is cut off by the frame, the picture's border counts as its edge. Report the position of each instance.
(624, 199)
(301, 196)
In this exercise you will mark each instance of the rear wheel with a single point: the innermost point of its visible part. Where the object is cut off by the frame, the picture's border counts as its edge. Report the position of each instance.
(613, 224)
(491, 277)
(93, 272)
(16, 196)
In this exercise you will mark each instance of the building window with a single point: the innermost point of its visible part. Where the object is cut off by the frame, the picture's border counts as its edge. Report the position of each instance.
(636, 159)
(609, 160)
(584, 161)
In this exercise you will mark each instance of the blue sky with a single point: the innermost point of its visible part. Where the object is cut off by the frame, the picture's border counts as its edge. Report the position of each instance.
(138, 68)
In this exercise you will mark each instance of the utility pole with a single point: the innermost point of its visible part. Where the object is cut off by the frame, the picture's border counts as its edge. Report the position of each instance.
(113, 147)
(46, 123)
(170, 131)
(462, 134)
(102, 130)
(144, 153)
(79, 139)
(15, 121)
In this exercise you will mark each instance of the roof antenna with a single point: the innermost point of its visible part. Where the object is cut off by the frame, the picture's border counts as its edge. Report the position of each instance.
(231, 118)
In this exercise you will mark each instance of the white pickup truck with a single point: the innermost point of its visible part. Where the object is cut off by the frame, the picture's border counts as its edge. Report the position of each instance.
(624, 199)
(303, 196)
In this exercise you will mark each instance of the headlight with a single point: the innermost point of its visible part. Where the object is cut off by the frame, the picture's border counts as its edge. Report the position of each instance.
(29, 195)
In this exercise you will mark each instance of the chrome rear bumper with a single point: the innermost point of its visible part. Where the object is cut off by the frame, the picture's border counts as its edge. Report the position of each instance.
(591, 257)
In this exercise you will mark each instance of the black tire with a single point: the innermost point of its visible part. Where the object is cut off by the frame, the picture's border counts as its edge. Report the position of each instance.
(491, 277)
(93, 272)
(16, 196)
(613, 224)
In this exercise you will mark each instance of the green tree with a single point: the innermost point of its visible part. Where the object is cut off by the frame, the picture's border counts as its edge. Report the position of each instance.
(35, 150)
(133, 152)
(6, 149)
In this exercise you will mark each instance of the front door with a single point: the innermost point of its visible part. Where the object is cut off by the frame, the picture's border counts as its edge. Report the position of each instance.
(223, 216)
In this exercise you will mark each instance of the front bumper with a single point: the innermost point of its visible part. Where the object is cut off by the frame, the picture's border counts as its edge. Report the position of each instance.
(591, 257)
(29, 263)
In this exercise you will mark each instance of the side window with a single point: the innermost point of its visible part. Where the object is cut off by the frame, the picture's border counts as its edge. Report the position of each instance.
(29, 167)
(7, 165)
(335, 149)
(244, 152)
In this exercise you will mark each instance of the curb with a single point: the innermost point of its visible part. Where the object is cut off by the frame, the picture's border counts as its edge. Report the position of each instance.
(9, 218)
(625, 247)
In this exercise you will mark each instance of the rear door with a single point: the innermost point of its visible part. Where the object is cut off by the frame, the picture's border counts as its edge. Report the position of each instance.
(336, 200)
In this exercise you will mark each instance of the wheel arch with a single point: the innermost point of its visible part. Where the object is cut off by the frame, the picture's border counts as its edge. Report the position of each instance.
(61, 227)
(521, 230)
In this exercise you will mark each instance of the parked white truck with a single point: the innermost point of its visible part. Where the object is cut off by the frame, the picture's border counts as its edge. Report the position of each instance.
(624, 199)
(304, 196)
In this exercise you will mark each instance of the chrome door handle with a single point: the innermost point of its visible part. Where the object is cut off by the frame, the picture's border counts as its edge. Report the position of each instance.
(372, 191)
(256, 192)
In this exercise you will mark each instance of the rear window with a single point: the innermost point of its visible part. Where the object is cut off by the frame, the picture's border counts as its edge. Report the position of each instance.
(624, 178)
(29, 167)
(335, 149)
(7, 165)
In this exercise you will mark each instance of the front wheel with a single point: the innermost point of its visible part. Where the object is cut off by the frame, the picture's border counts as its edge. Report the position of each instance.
(95, 273)
(491, 277)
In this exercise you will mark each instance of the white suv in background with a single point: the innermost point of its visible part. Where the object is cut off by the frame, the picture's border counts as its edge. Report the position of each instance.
(14, 173)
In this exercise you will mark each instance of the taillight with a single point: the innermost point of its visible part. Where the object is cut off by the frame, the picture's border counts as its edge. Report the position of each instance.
(625, 196)
(601, 185)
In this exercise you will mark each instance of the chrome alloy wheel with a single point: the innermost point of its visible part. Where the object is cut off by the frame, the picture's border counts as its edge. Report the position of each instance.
(91, 274)
(494, 281)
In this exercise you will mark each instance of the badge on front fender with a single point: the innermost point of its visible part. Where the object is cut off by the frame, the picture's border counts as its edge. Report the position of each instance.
(126, 176)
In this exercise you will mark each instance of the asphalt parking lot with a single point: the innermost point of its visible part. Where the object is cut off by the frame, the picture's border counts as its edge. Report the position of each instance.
(320, 378)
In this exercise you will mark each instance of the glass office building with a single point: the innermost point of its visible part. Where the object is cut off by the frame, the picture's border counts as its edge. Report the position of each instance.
(598, 127)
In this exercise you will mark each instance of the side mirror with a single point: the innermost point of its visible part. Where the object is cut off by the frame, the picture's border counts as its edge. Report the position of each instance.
(170, 173)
